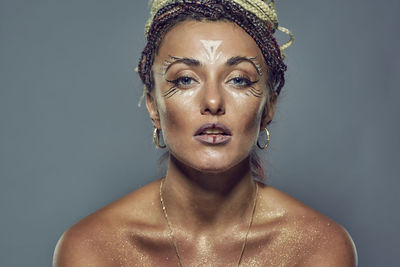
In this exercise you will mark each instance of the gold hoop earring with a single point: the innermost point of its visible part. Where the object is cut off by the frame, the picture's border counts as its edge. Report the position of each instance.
(268, 139)
(156, 138)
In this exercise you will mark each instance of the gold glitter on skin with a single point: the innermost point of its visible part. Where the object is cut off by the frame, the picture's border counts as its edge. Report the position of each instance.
(132, 232)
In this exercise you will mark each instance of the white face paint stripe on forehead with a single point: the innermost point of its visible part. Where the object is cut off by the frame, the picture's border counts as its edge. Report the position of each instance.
(211, 47)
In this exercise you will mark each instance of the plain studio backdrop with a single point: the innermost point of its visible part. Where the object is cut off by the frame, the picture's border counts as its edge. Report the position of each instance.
(73, 139)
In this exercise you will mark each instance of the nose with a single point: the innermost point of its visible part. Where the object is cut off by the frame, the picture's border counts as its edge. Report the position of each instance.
(213, 100)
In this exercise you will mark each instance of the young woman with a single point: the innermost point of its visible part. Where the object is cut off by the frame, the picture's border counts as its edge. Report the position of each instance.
(212, 71)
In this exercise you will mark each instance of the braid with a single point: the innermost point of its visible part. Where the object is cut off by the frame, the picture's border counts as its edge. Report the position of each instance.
(255, 17)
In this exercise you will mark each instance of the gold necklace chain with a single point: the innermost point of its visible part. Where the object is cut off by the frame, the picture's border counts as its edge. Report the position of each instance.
(171, 233)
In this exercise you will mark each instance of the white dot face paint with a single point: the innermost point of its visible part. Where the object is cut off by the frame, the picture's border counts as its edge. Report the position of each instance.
(210, 50)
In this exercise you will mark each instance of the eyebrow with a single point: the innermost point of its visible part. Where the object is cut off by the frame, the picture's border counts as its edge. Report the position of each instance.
(175, 60)
(194, 62)
(236, 60)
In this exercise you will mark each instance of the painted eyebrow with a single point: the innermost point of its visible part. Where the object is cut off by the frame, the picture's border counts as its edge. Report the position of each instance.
(252, 60)
(174, 60)
(194, 62)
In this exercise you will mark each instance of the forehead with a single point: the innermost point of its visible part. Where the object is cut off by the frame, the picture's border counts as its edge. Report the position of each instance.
(188, 39)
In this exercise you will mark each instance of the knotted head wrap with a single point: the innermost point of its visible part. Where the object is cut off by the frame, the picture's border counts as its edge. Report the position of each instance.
(257, 17)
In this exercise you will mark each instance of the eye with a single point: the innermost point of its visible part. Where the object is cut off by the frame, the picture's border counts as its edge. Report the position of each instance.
(241, 82)
(183, 82)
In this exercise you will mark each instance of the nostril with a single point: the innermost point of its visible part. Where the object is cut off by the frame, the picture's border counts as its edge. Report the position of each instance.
(220, 111)
(217, 111)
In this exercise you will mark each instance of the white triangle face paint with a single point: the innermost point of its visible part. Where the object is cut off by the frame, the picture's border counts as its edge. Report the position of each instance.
(211, 47)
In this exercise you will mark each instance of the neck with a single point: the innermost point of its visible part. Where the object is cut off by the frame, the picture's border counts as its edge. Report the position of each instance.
(203, 201)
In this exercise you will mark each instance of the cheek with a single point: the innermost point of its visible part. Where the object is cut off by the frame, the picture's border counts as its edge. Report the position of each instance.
(248, 111)
(177, 115)
(251, 127)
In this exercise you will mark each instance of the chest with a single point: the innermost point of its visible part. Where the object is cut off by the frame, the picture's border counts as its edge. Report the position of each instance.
(272, 248)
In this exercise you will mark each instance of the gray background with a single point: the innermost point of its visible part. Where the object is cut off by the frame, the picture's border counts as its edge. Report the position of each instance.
(72, 138)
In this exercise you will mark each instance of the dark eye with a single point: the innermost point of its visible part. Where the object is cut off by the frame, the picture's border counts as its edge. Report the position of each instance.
(242, 82)
(183, 81)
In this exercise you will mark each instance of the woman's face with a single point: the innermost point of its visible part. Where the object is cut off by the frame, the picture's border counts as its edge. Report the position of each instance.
(210, 94)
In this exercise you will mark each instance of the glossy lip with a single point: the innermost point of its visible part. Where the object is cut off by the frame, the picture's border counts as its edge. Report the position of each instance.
(213, 139)
(217, 125)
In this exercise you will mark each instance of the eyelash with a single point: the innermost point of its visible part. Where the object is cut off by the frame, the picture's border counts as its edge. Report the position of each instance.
(248, 82)
(178, 83)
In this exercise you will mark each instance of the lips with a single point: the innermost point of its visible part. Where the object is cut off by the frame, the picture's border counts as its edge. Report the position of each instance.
(213, 133)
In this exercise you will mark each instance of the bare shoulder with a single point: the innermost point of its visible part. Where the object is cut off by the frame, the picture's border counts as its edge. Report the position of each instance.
(106, 237)
(314, 238)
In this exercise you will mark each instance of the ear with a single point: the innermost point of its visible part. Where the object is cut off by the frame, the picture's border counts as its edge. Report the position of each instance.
(269, 110)
(153, 111)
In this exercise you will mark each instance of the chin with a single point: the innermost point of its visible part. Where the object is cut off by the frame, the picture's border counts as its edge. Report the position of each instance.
(212, 169)
(210, 160)
(213, 164)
